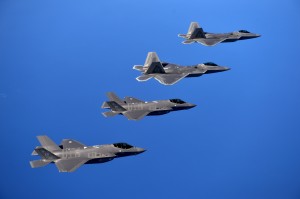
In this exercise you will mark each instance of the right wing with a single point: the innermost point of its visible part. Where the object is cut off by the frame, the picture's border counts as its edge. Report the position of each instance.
(136, 114)
(69, 165)
(130, 100)
(68, 143)
(210, 42)
(170, 79)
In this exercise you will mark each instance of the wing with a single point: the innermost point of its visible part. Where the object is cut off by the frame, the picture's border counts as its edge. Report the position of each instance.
(135, 115)
(69, 165)
(68, 143)
(170, 79)
(210, 42)
(130, 100)
(188, 41)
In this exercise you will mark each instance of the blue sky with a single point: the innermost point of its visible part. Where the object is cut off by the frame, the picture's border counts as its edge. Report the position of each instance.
(59, 58)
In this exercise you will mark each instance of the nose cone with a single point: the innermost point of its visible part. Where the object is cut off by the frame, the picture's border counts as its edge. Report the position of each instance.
(140, 150)
(189, 105)
(224, 68)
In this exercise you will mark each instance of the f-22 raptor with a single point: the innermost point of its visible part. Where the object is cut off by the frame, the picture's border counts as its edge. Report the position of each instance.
(196, 34)
(135, 109)
(168, 74)
(71, 154)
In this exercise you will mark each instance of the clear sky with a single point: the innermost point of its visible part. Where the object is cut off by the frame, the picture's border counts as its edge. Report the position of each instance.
(58, 58)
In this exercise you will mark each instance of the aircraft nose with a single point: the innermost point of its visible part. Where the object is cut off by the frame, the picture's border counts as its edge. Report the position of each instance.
(226, 68)
(140, 150)
(192, 105)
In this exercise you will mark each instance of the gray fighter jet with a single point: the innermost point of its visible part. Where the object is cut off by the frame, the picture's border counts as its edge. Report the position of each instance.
(169, 74)
(196, 34)
(71, 154)
(135, 109)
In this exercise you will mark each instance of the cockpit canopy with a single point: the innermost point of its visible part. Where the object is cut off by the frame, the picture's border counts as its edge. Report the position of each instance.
(244, 31)
(122, 145)
(210, 64)
(177, 101)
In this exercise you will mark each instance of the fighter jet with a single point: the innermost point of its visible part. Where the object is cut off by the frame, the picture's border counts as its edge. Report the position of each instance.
(71, 154)
(135, 109)
(168, 74)
(196, 34)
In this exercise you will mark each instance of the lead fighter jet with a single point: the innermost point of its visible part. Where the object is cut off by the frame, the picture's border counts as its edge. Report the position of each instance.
(196, 34)
(169, 74)
(135, 109)
(71, 154)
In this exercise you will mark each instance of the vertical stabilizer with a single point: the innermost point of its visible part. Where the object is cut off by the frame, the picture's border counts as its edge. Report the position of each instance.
(47, 143)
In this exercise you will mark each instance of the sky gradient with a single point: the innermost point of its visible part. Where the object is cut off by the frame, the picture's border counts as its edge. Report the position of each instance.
(59, 58)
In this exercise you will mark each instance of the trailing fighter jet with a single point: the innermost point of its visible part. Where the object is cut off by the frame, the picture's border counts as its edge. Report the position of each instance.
(196, 34)
(71, 154)
(169, 74)
(135, 109)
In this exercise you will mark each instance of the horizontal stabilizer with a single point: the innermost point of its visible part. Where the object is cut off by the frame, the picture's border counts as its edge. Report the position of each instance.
(109, 114)
(45, 154)
(136, 114)
(39, 163)
(138, 67)
(130, 100)
(69, 165)
(105, 105)
(68, 144)
(143, 78)
(170, 79)
(188, 41)
(114, 106)
(182, 35)
(47, 143)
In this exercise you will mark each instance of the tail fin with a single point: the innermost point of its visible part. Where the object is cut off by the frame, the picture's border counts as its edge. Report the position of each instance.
(45, 154)
(153, 64)
(195, 31)
(47, 143)
(192, 27)
(151, 57)
(114, 106)
(39, 163)
(113, 97)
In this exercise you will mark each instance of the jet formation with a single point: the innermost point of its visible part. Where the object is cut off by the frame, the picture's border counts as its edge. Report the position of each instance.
(168, 74)
(71, 154)
(197, 34)
(135, 109)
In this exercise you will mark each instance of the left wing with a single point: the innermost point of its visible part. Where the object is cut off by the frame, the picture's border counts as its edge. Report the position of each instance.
(136, 115)
(69, 165)
(210, 42)
(170, 79)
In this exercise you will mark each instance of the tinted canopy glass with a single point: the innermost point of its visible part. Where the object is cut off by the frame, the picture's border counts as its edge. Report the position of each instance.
(244, 31)
(123, 145)
(210, 64)
(177, 101)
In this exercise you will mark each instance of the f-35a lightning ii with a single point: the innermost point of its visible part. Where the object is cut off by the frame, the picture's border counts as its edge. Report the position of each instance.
(135, 109)
(169, 74)
(196, 34)
(71, 154)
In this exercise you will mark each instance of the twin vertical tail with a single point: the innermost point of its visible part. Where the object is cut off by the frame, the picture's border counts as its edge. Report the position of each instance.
(152, 66)
(45, 151)
(115, 104)
(194, 32)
